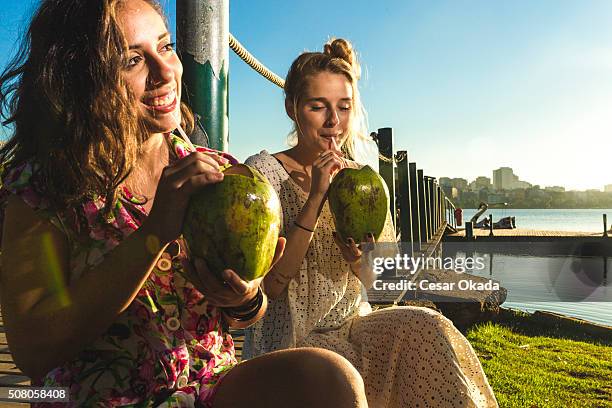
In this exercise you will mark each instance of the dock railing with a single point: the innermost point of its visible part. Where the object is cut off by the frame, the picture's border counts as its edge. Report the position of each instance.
(420, 207)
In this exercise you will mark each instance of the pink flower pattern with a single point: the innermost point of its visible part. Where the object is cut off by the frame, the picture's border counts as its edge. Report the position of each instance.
(145, 357)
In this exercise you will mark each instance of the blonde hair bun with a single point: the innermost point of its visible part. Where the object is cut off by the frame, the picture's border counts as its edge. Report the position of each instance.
(343, 49)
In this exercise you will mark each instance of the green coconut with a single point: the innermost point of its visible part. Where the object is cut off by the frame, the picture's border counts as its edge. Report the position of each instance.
(359, 202)
(235, 224)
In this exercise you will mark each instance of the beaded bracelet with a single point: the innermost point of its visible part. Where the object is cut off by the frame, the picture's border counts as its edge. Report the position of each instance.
(246, 312)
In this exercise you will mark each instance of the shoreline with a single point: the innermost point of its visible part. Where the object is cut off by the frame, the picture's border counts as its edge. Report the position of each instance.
(554, 317)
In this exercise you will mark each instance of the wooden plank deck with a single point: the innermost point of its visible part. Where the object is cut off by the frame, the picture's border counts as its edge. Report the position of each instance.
(10, 375)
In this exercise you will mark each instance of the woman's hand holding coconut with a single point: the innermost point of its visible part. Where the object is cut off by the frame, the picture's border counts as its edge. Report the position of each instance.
(178, 182)
(323, 169)
(228, 290)
(353, 255)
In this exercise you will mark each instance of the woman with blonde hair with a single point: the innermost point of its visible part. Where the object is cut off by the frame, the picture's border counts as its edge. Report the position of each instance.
(407, 356)
(98, 293)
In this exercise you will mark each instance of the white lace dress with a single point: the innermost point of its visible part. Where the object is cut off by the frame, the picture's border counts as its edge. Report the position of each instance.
(407, 356)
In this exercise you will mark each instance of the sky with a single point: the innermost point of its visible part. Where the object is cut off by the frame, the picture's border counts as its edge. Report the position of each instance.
(467, 86)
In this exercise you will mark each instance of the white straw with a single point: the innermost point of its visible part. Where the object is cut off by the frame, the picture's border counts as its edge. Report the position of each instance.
(184, 135)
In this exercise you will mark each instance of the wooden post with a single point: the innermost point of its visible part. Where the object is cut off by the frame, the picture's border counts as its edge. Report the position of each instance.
(441, 204)
(385, 166)
(414, 207)
(422, 206)
(430, 207)
(434, 210)
(427, 207)
(432, 204)
(403, 193)
(443, 208)
(438, 207)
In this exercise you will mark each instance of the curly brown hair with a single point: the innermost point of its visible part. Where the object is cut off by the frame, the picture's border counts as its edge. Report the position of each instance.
(71, 109)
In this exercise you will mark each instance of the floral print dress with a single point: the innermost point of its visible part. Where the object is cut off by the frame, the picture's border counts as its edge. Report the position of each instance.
(170, 347)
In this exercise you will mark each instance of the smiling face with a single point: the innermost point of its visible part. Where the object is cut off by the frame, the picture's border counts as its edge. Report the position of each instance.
(324, 111)
(152, 70)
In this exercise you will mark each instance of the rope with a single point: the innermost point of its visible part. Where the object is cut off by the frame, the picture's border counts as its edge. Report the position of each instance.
(247, 57)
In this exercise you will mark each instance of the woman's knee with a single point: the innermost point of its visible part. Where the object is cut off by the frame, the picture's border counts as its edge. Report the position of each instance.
(419, 316)
(306, 377)
(326, 367)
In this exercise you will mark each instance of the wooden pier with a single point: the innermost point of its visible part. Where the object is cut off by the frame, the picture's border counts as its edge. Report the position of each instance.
(521, 232)
(10, 375)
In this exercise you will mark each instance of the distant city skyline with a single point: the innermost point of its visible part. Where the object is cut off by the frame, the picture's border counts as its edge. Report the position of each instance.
(509, 180)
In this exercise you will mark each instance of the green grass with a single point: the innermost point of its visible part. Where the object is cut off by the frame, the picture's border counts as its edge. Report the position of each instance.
(531, 364)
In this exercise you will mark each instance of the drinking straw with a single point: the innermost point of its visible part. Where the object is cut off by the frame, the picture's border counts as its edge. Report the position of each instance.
(184, 135)
(337, 150)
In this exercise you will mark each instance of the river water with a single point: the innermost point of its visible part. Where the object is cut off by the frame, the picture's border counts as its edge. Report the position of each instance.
(574, 286)
(550, 283)
(586, 220)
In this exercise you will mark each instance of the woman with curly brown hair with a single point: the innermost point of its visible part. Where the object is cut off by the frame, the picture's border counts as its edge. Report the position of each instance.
(407, 356)
(97, 290)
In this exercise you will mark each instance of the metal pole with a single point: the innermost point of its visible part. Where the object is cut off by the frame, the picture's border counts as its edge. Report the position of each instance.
(605, 220)
(469, 230)
(202, 28)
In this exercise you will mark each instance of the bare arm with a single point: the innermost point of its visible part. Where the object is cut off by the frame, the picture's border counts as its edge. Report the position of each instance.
(49, 323)
(298, 239)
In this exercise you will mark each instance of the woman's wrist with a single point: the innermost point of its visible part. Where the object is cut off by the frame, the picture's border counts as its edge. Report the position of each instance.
(308, 218)
(315, 198)
(248, 310)
(244, 321)
(154, 239)
(302, 227)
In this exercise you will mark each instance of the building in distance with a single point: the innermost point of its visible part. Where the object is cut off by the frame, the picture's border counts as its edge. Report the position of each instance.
(481, 183)
(555, 189)
(505, 179)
